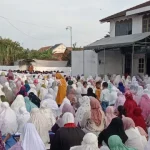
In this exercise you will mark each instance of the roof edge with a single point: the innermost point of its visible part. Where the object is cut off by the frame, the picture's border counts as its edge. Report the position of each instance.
(123, 13)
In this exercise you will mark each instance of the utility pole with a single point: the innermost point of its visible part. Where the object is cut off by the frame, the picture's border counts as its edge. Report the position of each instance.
(70, 28)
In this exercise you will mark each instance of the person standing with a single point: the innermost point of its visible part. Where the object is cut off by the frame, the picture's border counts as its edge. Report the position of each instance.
(105, 96)
(62, 88)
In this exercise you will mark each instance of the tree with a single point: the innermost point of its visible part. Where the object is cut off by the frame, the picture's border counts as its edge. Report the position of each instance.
(9, 51)
(67, 54)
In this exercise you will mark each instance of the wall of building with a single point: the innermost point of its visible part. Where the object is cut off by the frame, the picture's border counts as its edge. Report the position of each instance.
(66, 70)
(77, 63)
(60, 49)
(45, 63)
(113, 62)
(90, 60)
(136, 24)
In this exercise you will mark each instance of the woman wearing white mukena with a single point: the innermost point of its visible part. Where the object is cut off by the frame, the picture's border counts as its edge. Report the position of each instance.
(8, 125)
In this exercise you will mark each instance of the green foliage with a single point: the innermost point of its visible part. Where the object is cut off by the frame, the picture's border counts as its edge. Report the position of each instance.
(11, 51)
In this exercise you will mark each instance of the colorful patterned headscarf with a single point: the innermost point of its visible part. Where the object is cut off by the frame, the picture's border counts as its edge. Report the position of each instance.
(1, 142)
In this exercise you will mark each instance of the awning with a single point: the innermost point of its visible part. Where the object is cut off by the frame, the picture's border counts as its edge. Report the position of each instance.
(117, 42)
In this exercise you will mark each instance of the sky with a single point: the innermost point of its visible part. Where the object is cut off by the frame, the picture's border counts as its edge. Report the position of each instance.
(38, 23)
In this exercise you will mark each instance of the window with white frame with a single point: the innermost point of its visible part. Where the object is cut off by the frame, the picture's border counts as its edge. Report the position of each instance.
(123, 27)
(146, 23)
(141, 65)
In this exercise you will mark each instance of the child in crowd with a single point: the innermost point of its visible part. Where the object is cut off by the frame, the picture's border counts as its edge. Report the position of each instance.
(84, 88)
(105, 96)
(98, 90)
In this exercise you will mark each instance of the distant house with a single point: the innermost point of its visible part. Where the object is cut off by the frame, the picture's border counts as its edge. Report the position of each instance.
(58, 50)
(42, 49)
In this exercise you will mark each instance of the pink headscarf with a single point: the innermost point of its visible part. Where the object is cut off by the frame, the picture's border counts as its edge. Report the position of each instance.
(35, 82)
(120, 100)
(10, 75)
(92, 82)
(109, 115)
(96, 115)
(128, 123)
(145, 106)
(19, 84)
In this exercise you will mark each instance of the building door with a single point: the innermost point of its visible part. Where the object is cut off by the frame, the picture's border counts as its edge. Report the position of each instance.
(128, 64)
(141, 66)
(148, 65)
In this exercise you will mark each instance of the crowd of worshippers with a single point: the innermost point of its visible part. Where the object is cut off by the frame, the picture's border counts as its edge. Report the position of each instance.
(57, 112)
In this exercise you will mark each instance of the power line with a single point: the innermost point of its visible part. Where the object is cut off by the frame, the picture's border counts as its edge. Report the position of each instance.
(21, 30)
(33, 24)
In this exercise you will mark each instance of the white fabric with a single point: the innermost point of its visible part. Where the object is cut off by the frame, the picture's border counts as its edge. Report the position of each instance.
(142, 137)
(113, 95)
(104, 148)
(17, 103)
(38, 86)
(140, 91)
(128, 81)
(32, 85)
(12, 85)
(41, 124)
(50, 82)
(117, 80)
(139, 94)
(134, 139)
(51, 91)
(123, 80)
(8, 120)
(84, 90)
(84, 107)
(43, 92)
(22, 118)
(106, 79)
(7, 85)
(98, 78)
(146, 78)
(105, 95)
(31, 139)
(89, 142)
(148, 87)
(47, 112)
(134, 88)
(1, 92)
(67, 118)
(52, 104)
(147, 147)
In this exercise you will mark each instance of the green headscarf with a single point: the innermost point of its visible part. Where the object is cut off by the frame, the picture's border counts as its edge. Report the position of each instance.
(3, 74)
(3, 98)
(115, 143)
(26, 82)
(70, 82)
(44, 86)
(29, 104)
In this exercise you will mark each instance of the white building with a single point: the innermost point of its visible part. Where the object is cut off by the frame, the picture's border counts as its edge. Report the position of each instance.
(127, 50)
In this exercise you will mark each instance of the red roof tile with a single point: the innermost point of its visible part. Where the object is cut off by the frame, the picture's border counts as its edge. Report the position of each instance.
(42, 49)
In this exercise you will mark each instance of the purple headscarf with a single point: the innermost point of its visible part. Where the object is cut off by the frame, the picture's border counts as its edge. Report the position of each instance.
(68, 108)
